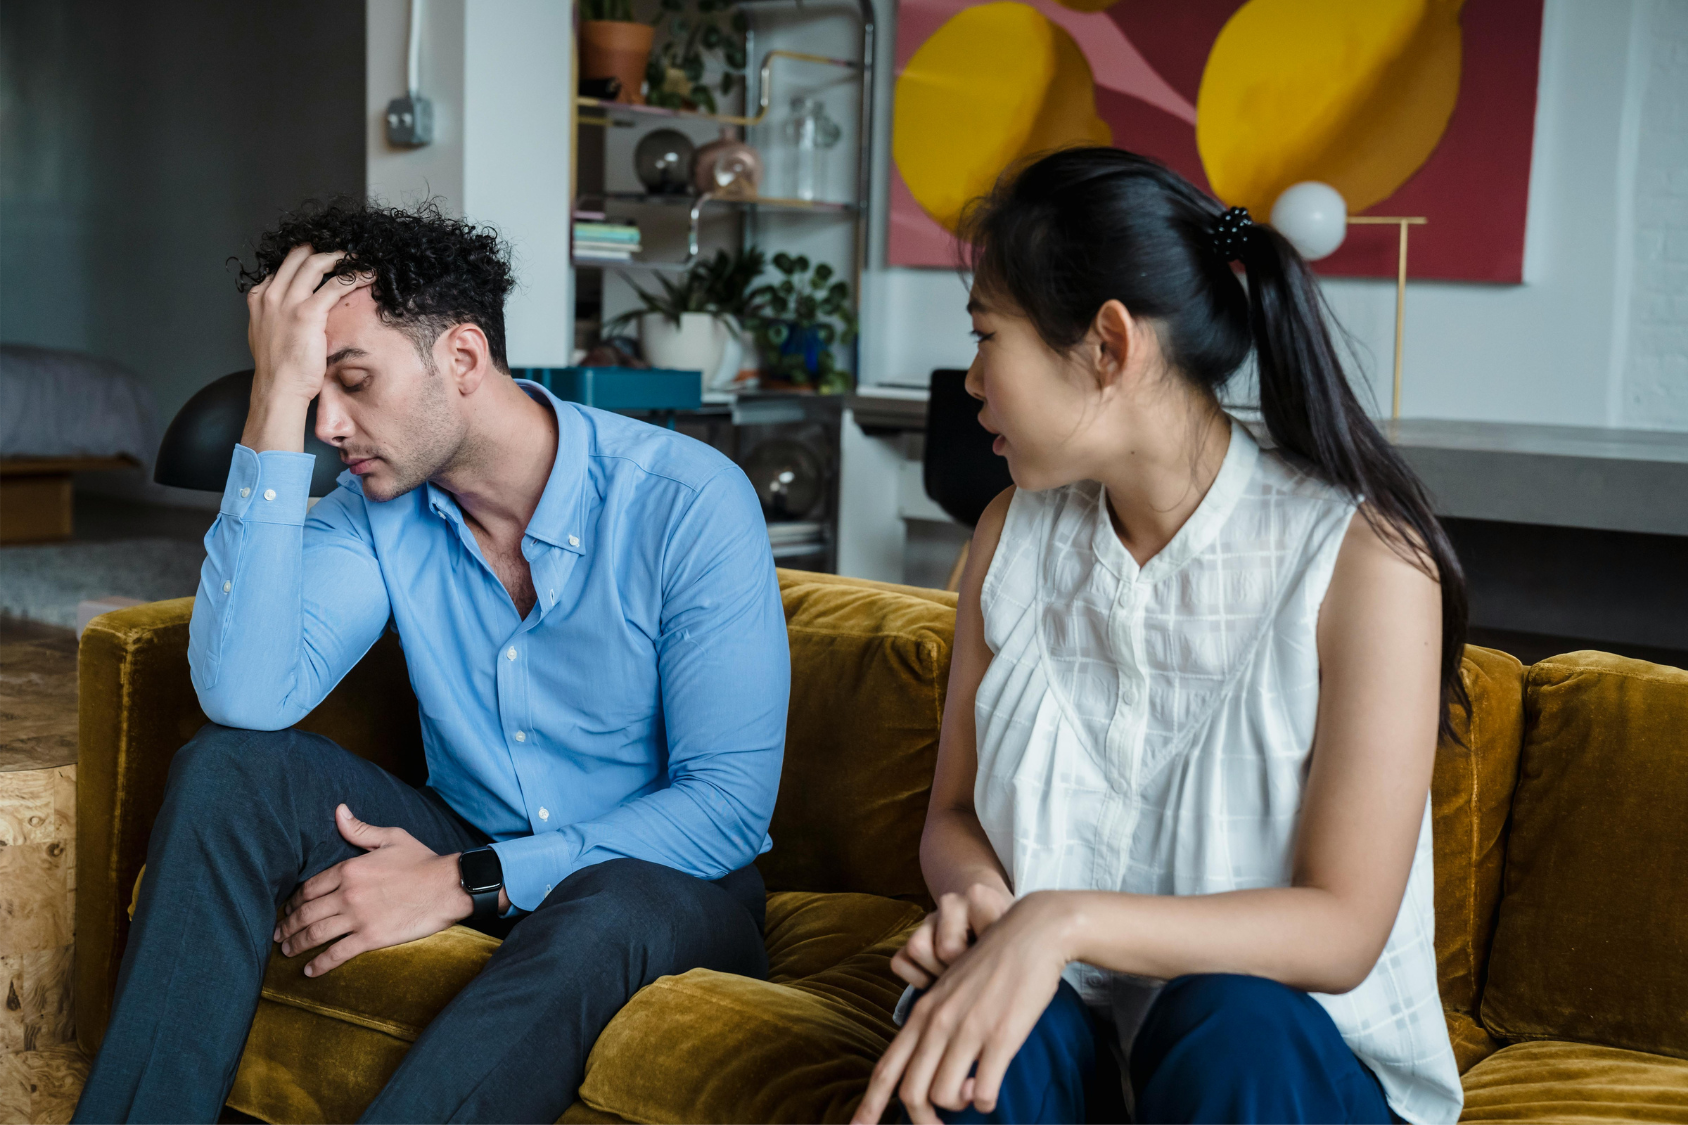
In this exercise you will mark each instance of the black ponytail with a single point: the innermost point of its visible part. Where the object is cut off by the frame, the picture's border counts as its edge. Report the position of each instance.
(1068, 232)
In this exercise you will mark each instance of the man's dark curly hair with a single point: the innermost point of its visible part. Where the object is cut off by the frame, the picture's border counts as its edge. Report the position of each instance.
(431, 271)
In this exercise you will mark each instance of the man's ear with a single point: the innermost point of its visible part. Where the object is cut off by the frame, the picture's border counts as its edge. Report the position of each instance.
(464, 357)
(1117, 338)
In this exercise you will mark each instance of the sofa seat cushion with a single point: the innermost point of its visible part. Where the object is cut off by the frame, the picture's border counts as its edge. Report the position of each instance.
(1552, 1081)
(706, 1046)
(321, 1048)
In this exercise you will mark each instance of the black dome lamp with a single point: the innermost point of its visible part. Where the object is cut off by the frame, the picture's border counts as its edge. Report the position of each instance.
(197, 447)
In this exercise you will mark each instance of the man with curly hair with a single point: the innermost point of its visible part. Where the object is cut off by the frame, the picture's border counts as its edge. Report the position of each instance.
(594, 633)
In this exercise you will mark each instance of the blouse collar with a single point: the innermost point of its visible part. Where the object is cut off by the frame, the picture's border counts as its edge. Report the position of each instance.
(1198, 531)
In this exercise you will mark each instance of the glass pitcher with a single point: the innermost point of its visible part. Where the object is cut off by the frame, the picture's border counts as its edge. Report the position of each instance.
(810, 133)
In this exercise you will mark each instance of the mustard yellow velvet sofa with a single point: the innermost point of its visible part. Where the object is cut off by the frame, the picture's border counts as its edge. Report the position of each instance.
(1561, 861)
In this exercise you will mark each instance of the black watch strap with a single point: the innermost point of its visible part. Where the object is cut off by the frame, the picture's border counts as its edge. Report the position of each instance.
(481, 876)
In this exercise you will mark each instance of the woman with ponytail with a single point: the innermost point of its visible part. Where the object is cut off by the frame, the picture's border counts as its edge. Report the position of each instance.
(1179, 836)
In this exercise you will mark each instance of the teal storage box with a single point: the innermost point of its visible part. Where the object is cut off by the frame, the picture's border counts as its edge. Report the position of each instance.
(620, 388)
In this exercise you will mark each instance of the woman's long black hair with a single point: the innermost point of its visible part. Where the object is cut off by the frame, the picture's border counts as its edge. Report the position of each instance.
(1070, 231)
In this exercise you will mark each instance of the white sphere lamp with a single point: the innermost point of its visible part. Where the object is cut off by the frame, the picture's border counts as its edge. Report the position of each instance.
(1313, 216)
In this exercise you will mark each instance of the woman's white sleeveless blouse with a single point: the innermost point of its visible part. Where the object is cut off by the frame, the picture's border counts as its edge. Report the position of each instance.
(1148, 730)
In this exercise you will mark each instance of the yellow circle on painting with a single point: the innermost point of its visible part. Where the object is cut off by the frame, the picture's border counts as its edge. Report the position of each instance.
(1355, 95)
(994, 84)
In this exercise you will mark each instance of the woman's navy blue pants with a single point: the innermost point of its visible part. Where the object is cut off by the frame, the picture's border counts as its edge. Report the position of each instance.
(1214, 1047)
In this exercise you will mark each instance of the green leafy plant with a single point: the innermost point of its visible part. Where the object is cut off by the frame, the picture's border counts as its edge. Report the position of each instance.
(796, 322)
(718, 285)
(621, 10)
(695, 29)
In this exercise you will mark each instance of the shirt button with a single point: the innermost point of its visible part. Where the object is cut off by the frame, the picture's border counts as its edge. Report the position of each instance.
(269, 494)
(574, 540)
(521, 736)
(245, 492)
(544, 814)
(226, 586)
(510, 653)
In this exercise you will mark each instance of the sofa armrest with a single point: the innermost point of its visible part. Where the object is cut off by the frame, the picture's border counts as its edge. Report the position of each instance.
(137, 707)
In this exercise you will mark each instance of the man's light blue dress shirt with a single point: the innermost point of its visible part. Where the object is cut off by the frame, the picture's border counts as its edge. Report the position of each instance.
(638, 710)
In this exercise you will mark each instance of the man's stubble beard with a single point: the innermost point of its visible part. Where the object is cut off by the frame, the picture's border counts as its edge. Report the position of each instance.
(432, 442)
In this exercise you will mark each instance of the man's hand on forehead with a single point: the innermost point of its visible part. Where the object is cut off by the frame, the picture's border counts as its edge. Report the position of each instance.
(288, 333)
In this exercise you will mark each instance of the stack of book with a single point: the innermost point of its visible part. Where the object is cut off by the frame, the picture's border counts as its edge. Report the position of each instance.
(605, 241)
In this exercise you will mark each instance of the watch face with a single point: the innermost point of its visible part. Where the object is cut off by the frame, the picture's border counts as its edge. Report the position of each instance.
(480, 871)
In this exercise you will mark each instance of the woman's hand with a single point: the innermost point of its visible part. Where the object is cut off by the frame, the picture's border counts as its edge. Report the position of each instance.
(979, 1011)
(947, 932)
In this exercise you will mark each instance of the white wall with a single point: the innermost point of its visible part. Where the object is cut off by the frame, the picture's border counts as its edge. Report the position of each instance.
(1562, 348)
(500, 75)
(1651, 359)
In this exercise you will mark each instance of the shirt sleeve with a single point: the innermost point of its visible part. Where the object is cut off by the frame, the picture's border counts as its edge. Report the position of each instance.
(290, 596)
(725, 666)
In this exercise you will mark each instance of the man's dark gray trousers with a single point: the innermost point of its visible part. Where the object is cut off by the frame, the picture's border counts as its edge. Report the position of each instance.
(249, 815)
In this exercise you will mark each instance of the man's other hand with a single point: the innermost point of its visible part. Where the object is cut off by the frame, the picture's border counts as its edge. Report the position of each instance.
(287, 331)
(397, 891)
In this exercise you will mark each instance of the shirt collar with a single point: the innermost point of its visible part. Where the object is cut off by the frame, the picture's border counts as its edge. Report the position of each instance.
(560, 519)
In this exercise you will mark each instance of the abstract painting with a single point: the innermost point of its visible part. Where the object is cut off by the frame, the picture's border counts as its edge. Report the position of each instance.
(1407, 107)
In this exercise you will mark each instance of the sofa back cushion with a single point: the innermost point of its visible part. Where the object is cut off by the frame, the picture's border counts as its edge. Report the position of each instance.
(869, 664)
(1471, 795)
(1592, 942)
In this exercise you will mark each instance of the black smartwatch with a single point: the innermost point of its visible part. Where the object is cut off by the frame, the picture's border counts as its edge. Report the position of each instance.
(482, 877)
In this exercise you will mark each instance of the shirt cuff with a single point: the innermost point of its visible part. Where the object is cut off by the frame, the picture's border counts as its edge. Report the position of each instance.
(534, 865)
(269, 487)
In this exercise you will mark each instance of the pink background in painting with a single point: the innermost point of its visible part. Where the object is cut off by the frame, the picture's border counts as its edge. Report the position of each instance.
(1147, 60)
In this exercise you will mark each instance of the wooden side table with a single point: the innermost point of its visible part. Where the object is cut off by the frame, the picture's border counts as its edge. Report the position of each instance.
(41, 1070)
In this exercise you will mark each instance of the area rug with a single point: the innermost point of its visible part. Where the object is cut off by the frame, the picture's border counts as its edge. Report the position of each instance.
(44, 583)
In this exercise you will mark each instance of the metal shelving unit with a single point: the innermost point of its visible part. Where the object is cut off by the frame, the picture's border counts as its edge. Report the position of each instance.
(739, 426)
(598, 113)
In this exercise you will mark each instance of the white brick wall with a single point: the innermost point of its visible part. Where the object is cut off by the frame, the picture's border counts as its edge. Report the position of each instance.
(1655, 375)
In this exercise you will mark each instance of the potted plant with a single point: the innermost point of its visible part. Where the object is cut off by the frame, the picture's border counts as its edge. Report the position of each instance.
(795, 323)
(691, 324)
(696, 29)
(615, 45)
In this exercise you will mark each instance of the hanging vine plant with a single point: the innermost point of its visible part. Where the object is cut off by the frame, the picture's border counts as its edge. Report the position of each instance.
(696, 31)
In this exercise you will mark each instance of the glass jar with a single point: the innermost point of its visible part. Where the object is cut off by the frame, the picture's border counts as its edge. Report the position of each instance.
(809, 132)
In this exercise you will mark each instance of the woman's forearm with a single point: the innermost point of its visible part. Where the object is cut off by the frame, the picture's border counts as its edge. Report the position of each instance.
(1305, 937)
(955, 854)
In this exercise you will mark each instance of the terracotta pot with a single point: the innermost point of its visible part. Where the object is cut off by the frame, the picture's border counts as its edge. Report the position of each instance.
(617, 49)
